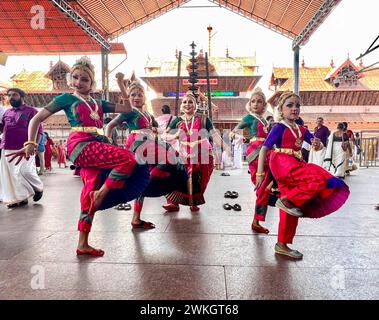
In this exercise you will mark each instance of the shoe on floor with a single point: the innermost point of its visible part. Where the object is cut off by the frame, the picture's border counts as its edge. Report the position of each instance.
(12, 205)
(37, 195)
(296, 212)
(93, 252)
(17, 204)
(259, 228)
(143, 225)
(294, 254)
(171, 207)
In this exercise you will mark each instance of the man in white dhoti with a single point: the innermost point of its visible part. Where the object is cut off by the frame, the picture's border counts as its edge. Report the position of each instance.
(237, 152)
(317, 153)
(226, 160)
(18, 181)
(337, 152)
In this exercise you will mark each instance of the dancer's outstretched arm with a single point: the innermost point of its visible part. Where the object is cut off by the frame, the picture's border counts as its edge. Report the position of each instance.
(30, 145)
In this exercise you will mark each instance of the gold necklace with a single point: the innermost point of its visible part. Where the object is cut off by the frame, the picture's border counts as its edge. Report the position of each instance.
(265, 127)
(93, 113)
(148, 119)
(298, 141)
(189, 129)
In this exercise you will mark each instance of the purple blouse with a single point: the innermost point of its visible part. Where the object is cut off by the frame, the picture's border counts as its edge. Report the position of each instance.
(281, 137)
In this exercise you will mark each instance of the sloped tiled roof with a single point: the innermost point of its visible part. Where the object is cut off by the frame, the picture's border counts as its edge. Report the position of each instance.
(333, 72)
(59, 65)
(310, 78)
(316, 79)
(370, 79)
(239, 66)
(32, 81)
(282, 73)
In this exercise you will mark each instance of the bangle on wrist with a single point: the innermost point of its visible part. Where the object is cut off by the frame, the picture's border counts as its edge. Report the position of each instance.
(30, 142)
(260, 174)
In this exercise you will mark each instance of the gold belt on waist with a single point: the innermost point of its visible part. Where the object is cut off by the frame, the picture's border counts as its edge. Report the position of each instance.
(143, 131)
(148, 133)
(89, 130)
(192, 143)
(257, 139)
(292, 152)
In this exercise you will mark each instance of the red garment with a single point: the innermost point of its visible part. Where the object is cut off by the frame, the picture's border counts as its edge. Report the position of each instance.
(61, 154)
(262, 193)
(308, 186)
(90, 151)
(94, 157)
(287, 227)
(198, 160)
(48, 153)
(350, 134)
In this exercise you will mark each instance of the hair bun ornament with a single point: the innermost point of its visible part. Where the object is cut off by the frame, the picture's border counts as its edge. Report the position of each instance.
(257, 90)
(135, 84)
(284, 96)
(85, 61)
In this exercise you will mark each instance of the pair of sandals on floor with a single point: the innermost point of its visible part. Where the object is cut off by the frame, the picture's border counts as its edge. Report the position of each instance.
(141, 225)
(231, 195)
(123, 206)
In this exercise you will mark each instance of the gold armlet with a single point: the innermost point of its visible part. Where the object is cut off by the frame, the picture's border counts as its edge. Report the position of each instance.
(260, 174)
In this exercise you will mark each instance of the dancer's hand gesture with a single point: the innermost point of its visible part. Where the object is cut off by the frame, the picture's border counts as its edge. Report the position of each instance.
(25, 152)
(258, 182)
(201, 95)
(123, 84)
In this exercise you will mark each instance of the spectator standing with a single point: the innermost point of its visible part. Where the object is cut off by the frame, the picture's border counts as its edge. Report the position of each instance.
(322, 132)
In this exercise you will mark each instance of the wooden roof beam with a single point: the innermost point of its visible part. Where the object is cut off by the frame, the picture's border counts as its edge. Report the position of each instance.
(143, 7)
(249, 15)
(128, 11)
(154, 14)
(268, 10)
(284, 12)
(109, 11)
(158, 6)
(302, 15)
(78, 19)
(252, 8)
(315, 22)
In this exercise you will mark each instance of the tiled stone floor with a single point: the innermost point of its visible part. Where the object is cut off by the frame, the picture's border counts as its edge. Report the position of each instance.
(212, 254)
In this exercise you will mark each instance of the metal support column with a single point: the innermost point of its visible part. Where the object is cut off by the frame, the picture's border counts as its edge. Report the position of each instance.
(208, 86)
(178, 84)
(296, 54)
(105, 73)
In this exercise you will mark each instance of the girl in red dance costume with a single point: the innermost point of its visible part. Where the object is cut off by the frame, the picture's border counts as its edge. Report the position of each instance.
(305, 189)
(91, 150)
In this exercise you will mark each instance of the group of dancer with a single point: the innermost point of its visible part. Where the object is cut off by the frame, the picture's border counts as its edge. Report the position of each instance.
(278, 170)
(147, 167)
(150, 167)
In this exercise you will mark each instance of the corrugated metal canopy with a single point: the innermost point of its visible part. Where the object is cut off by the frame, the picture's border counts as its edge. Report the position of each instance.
(21, 32)
(296, 19)
(288, 17)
